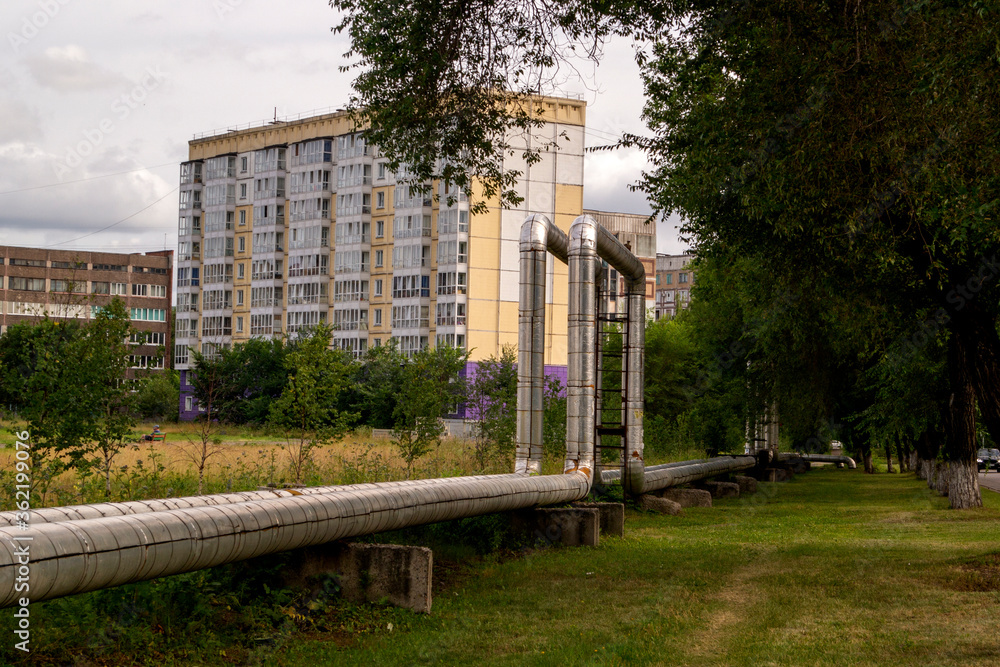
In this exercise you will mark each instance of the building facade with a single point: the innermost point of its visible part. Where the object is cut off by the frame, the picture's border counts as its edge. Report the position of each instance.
(674, 279)
(297, 223)
(638, 234)
(35, 282)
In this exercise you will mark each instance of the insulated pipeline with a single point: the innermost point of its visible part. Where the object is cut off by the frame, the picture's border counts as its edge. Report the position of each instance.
(78, 556)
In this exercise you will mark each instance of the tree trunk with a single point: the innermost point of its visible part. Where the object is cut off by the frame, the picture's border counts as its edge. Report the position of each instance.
(867, 458)
(901, 456)
(941, 477)
(980, 343)
(960, 445)
(888, 458)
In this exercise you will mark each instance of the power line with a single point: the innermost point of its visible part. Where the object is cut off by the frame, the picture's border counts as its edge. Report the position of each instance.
(89, 178)
(114, 224)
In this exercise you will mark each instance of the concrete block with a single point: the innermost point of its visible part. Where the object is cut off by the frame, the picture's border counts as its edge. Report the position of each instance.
(688, 497)
(798, 465)
(778, 475)
(369, 572)
(612, 517)
(568, 526)
(748, 485)
(723, 489)
(656, 504)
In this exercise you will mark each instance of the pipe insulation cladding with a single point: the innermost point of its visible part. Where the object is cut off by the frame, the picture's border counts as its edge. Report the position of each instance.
(73, 557)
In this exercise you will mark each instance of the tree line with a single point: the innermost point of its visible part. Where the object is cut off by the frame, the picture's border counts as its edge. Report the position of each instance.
(835, 163)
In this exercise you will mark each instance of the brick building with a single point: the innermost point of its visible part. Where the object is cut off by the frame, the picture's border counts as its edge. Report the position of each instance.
(35, 282)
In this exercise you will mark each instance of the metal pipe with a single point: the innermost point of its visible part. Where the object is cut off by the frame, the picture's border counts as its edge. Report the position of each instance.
(103, 510)
(829, 458)
(588, 241)
(78, 556)
(667, 477)
(581, 340)
(614, 476)
(539, 237)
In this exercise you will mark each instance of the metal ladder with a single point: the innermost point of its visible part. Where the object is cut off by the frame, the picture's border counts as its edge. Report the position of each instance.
(611, 344)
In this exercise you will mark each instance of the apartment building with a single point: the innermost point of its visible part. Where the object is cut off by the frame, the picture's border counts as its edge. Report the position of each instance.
(35, 282)
(638, 234)
(300, 222)
(673, 284)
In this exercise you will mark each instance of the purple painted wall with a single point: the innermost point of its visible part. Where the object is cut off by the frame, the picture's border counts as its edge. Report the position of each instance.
(472, 367)
(187, 391)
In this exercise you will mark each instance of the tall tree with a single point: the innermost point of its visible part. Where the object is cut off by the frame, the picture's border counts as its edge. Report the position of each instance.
(112, 392)
(432, 386)
(492, 404)
(307, 408)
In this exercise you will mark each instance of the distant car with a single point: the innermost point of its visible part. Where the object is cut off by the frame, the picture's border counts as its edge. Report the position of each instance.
(988, 458)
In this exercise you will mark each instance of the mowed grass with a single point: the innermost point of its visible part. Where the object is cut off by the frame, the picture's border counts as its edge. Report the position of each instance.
(833, 568)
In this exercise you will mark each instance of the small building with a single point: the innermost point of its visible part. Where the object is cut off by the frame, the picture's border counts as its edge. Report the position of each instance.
(75, 284)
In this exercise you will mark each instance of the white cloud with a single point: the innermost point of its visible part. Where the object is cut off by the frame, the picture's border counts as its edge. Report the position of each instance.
(19, 124)
(69, 70)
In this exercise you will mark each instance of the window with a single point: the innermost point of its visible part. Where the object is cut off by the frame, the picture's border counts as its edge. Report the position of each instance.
(308, 293)
(30, 262)
(239, 320)
(216, 326)
(243, 218)
(158, 290)
(244, 164)
(149, 314)
(27, 284)
(379, 255)
(239, 296)
(241, 268)
(682, 277)
(105, 288)
(451, 283)
(409, 226)
(68, 286)
(349, 290)
(378, 287)
(453, 252)
(377, 314)
(380, 200)
(65, 265)
(668, 279)
(243, 191)
(379, 229)
(218, 273)
(140, 290)
(453, 221)
(180, 358)
(265, 297)
(381, 171)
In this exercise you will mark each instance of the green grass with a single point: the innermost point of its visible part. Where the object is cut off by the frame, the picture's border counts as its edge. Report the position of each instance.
(834, 568)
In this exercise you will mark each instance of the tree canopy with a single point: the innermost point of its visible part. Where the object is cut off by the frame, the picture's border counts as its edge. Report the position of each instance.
(847, 151)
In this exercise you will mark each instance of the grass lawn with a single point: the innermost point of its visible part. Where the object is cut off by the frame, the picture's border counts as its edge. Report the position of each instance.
(834, 568)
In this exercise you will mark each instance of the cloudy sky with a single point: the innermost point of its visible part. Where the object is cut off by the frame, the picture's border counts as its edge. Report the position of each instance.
(99, 99)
